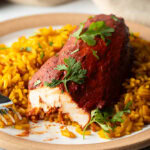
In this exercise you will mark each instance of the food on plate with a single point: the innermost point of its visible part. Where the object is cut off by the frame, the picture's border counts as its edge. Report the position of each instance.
(94, 76)
(21, 60)
(75, 82)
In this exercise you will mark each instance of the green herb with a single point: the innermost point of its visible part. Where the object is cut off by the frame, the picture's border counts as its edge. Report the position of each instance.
(37, 82)
(114, 18)
(75, 51)
(29, 49)
(101, 118)
(51, 43)
(95, 54)
(54, 83)
(39, 45)
(22, 48)
(2, 48)
(132, 35)
(74, 73)
(108, 42)
(90, 17)
(78, 32)
(56, 55)
(118, 116)
(95, 29)
(89, 39)
(42, 55)
(128, 105)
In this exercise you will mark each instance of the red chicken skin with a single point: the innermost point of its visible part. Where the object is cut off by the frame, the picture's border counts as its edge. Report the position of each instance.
(106, 61)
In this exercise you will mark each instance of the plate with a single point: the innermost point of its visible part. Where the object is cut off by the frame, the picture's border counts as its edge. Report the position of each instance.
(9, 31)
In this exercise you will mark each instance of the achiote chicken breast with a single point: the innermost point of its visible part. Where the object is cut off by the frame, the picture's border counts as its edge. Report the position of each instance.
(87, 73)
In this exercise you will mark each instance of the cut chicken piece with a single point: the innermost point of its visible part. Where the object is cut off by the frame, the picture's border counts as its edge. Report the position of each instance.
(47, 98)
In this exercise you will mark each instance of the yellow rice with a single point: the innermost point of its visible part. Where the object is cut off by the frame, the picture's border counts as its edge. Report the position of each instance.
(17, 66)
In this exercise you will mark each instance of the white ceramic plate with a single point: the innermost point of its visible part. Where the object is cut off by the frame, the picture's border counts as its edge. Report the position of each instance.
(53, 132)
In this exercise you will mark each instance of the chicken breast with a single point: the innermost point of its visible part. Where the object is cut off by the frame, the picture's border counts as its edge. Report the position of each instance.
(106, 65)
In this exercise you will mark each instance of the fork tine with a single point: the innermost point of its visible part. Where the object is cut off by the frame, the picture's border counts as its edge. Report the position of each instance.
(11, 117)
(3, 119)
(17, 113)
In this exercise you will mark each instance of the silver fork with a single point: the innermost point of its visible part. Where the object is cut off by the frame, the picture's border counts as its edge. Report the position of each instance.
(4, 109)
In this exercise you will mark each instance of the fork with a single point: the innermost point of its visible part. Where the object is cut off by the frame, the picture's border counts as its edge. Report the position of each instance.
(5, 110)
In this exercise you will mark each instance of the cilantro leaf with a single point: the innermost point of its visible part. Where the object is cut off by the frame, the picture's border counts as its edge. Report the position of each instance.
(98, 117)
(56, 55)
(39, 45)
(74, 73)
(95, 54)
(98, 28)
(37, 82)
(106, 116)
(61, 67)
(108, 42)
(51, 43)
(54, 83)
(128, 105)
(75, 51)
(42, 55)
(118, 117)
(88, 38)
(29, 49)
(114, 18)
(3, 48)
(78, 32)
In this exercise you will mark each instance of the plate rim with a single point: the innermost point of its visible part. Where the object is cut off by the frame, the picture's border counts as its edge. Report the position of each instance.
(139, 140)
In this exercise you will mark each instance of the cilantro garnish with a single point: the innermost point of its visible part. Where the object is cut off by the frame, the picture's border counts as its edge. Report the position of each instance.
(95, 29)
(103, 117)
(114, 18)
(75, 51)
(95, 54)
(51, 43)
(56, 55)
(74, 73)
(132, 35)
(118, 116)
(78, 32)
(54, 83)
(37, 82)
(39, 45)
(2, 48)
(90, 17)
(128, 105)
(42, 55)
(29, 49)
(108, 42)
